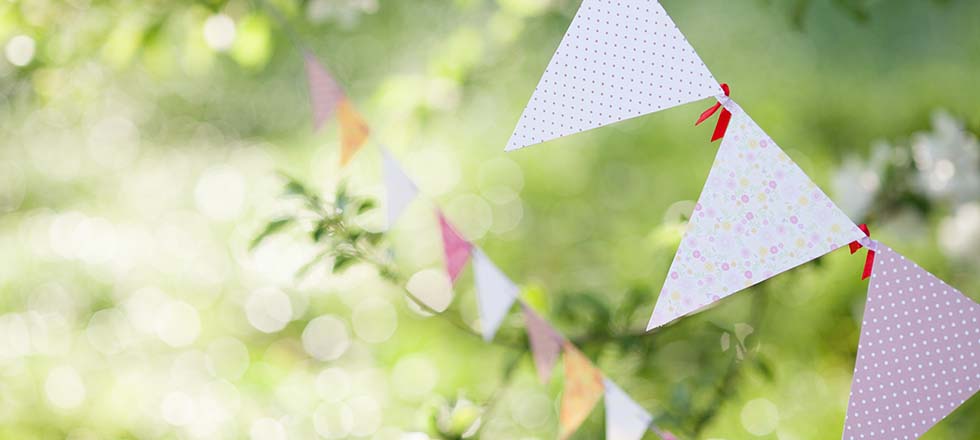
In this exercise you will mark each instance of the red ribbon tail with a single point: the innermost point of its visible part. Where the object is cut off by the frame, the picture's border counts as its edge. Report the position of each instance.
(868, 265)
(869, 262)
(707, 113)
(722, 126)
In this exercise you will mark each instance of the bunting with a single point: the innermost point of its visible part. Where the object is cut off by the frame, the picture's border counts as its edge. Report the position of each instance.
(546, 342)
(400, 190)
(583, 389)
(919, 353)
(456, 249)
(618, 60)
(758, 215)
(325, 93)
(327, 97)
(625, 419)
(353, 130)
(495, 293)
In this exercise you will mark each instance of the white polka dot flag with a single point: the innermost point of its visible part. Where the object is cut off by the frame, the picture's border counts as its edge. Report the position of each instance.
(495, 293)
(758, 215)
(400, 190)
(919, 353)
(625, 419)
(618, 60)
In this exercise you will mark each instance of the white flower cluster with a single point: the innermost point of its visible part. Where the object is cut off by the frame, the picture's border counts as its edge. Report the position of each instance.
(941, 165)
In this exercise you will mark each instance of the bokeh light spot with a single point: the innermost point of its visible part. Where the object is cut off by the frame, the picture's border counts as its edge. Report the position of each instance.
(326, 338)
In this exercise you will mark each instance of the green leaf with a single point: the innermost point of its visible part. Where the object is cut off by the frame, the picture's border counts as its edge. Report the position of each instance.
(342, 199)
(318, 231)
(366, 206)
(304, 269)
(271, 228)
(294, 187)
(374, 237)
(342, 261)
(764, 368)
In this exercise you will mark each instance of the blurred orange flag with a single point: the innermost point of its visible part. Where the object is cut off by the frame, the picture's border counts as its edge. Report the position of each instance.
(583, 389)
(353, 131)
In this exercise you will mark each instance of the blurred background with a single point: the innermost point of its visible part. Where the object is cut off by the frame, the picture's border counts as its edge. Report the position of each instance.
(142, 146)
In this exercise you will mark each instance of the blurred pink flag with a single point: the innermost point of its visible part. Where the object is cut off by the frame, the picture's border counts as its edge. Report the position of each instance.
(758, 215)
(325, 93)
(918, 352)
(456, 249)
(545, 342)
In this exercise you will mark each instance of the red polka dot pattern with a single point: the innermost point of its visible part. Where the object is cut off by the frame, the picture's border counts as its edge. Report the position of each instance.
(618, 60)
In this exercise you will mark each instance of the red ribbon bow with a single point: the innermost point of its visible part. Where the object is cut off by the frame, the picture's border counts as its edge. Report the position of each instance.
(723, 119)
(870, 260)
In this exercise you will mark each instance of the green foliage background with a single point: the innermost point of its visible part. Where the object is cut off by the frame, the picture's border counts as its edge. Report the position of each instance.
(138, 163)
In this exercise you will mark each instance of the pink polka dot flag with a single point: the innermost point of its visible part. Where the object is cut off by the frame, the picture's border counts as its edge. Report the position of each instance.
(919, 354)
(618, 60)
(758, 215)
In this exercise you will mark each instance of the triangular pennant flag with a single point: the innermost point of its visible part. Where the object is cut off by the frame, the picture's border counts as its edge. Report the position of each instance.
(618, 60)
(400, 190)
(325, 93)
(625, 419)
(919, 353)
(583, 389)
(456, 249)
(545, 342)
(758, 215)
(353, 130)
(495, 293)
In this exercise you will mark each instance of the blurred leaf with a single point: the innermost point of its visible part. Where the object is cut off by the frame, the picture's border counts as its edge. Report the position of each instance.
(342, 199)
(270, 228)
(253, 42)
(365, 206)
(318, 231)
(535, 296)
(374, 237)
(342, 261)
(764, 368)
(295, 187)
(309, 265)
(726, 341)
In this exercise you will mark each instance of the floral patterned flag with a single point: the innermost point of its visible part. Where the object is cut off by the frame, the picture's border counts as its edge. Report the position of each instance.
(325, 93)
(546, 342)
(400, 190)
(918, 356)
(456, 249)
(625, 419)
(618, 60)
(495, 293)
(758, 215)
(583, 389)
